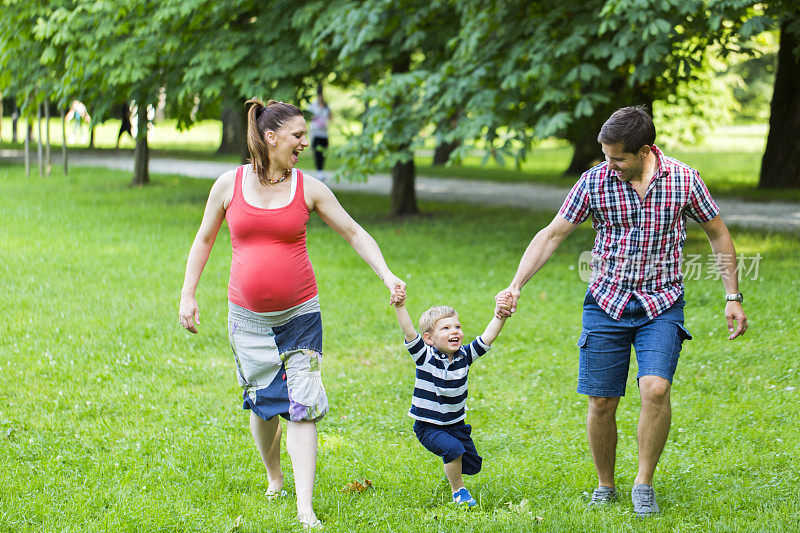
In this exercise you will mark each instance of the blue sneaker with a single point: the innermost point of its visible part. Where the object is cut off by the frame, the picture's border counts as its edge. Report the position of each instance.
(463, 497)
(603, 496)
(644, 500)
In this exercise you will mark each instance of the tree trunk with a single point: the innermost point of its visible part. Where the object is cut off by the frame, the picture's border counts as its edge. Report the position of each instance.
(441, 155)
(587, 151)
(47, 160)
(230, 129)
(27, 147)
(1, 115)
(404, 198)
(583, 134)
(141, 171)
(64, 140)
(780, 165)
(39, 137)
(366, 79)
(91, 135)
(404, 195)
(244, 152)
(234, 129)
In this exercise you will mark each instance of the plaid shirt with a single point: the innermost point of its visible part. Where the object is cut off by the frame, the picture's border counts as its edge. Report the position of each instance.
(638, 247)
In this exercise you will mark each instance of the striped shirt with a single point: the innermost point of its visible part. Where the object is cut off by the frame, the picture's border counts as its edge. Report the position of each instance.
(639, 243)
(440, 388)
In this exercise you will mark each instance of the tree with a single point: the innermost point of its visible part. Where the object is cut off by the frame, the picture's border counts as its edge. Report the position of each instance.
(243, 52)
(234, 132)
(445, 148)
(529, 70)
(386, 49)
(780, 165)
(110, 53)
(25, 72)
(194, 50)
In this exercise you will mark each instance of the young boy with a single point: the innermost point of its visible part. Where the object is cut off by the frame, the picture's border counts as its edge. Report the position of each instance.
(440, 389)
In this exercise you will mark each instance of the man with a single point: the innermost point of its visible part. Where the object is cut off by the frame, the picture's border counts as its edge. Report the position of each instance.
(639, 200)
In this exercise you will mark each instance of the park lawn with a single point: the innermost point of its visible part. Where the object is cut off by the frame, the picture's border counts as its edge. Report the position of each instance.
(113, 418)
(728, 158)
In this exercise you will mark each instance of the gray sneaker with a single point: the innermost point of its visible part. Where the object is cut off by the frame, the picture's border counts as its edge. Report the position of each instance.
(603, 496)
(644, 500)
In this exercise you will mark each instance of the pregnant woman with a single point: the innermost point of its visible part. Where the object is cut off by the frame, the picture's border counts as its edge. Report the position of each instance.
(274, 321)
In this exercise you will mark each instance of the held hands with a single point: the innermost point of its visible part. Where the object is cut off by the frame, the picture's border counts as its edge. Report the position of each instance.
(398, 297)
(502, 301)
(737, 321)
(189, 314)
(506, 302)
(397, 289)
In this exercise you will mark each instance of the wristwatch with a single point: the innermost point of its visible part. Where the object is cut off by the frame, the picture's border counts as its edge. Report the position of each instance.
(734, 297)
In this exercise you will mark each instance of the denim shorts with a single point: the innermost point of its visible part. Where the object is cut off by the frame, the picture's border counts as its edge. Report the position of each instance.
(605, 346)
(448, 442)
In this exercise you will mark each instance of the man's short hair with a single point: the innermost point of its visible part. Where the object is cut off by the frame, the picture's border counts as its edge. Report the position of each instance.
(430, 317)
(631, 126)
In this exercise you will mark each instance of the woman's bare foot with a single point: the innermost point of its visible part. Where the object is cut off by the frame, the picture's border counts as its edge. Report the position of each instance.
(275, 488)
(309, 520)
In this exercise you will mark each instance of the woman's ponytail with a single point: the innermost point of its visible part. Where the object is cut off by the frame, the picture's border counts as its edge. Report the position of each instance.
(256, 143)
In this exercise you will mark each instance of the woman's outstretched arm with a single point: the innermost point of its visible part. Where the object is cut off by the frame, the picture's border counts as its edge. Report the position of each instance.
(320, 199)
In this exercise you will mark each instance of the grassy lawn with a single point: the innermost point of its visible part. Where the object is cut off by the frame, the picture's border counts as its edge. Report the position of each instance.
(165, 140)
(729, 161)
(113, 418)
(729, 158)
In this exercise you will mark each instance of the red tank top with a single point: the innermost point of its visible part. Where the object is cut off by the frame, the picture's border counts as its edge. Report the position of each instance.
(270, 267)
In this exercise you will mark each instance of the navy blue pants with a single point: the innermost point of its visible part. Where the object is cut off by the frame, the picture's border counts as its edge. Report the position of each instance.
(448, 442)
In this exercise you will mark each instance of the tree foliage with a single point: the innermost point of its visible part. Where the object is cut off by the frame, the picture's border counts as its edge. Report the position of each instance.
(196, 52)
(108, 53)
(526, 70)
(26, 71)
(388, 49)
(502, 73)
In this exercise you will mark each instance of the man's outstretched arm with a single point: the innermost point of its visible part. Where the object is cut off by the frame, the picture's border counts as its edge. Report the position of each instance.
(536, 255)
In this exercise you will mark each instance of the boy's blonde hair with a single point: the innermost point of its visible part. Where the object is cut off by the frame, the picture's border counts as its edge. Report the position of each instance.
(430, 317)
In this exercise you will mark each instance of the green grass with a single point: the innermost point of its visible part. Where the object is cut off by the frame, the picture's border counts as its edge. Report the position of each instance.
(165, 140)
(729, 159)
(113, 418)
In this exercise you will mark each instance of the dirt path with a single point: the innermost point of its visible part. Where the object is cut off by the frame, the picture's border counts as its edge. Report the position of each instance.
(778, 216)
